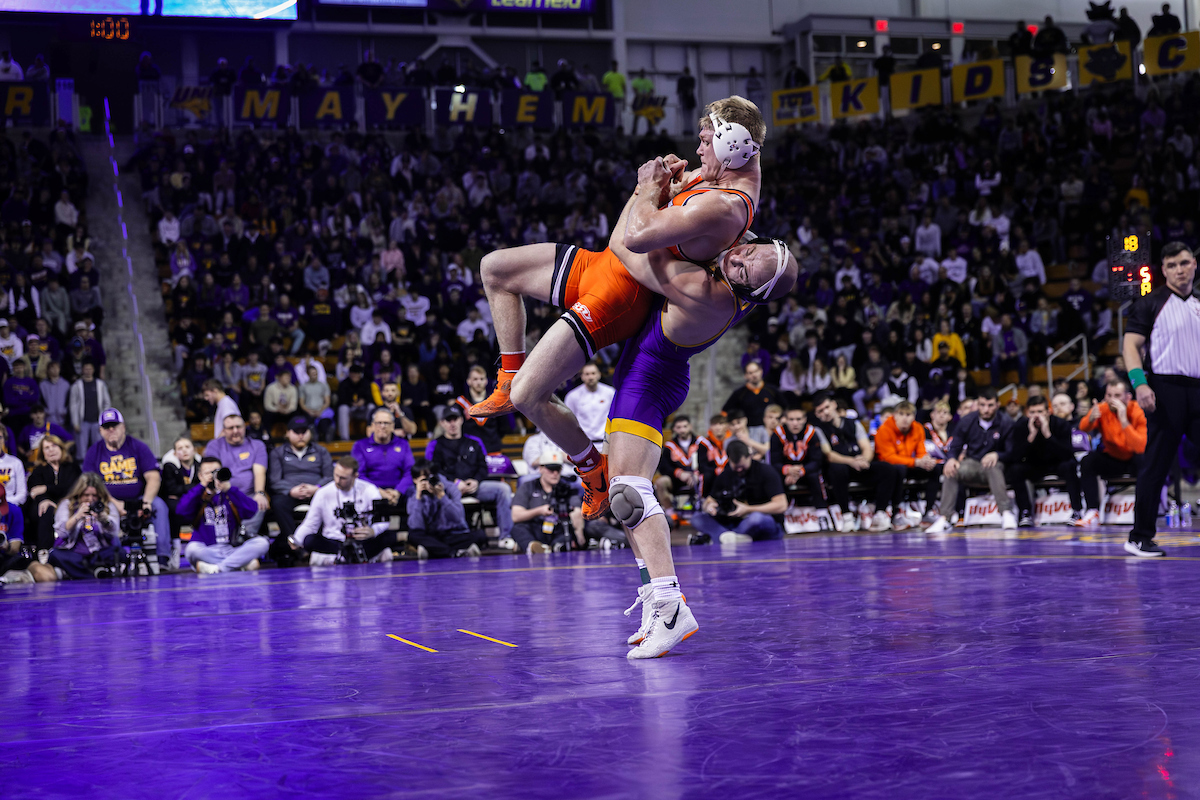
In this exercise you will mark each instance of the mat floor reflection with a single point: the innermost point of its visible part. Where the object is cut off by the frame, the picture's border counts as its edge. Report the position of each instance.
(1045, 664)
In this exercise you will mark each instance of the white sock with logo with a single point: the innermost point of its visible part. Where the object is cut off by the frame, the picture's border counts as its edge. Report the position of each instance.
(666, 589)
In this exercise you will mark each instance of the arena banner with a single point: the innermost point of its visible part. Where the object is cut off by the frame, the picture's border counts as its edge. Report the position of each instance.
(520, 108)
(260, 105)
(327, 107)
(468, 107)
(1052, 509)
(582, 109)
(196, 100)
(1176, 52)
(854, 97)
(922, 87)
(793, 106)
(389, 107)
(539, 6)
(1040, 74)
(1118, 509)
(977, 81)
(25, 103)
(1105, 63)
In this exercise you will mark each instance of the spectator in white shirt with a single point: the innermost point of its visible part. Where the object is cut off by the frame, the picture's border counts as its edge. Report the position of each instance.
(10, 70)
(76, 257)
(929, 237)
(589, 402)
(168, 228)
(415, 306)
(301, 369)
(848, 272)
(1029, 263)
(375, 326)
(473, 322)
(956, 267)
(926, 269)
(65, 212)
(987, 179)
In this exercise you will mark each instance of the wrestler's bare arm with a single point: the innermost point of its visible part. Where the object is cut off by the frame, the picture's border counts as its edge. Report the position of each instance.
(712, 217)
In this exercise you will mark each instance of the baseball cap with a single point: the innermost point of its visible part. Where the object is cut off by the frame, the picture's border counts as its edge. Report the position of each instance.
(111, 417)
(33, 337)
(452, 412)
(80, 326)
(298, 424)
(551, 457)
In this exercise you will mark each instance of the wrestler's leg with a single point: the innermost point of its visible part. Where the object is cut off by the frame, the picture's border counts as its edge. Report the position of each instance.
(508, 276)
(555, 359)
(633, 456)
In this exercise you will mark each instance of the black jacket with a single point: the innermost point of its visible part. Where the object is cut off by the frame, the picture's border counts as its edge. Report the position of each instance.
(459, 459)
(972, 441)
(1041, 450)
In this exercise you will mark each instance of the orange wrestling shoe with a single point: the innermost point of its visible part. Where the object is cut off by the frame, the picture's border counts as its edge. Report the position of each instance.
(595, 490)
(498, 402)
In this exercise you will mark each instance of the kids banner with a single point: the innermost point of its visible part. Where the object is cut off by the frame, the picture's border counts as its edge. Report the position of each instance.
(793, 106)
(1176, 52)
(1105, 63)
(977, 81)
(922, 87)
(1040, 74)
(855, 97)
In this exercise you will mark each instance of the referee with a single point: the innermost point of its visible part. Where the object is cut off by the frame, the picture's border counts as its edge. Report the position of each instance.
(1166, 323)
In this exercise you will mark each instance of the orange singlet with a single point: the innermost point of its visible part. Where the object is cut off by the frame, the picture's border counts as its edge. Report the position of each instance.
(688, 193)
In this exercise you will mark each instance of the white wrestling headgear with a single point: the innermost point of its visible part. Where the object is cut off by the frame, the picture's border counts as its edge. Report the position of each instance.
(732, 143)
(759, 295)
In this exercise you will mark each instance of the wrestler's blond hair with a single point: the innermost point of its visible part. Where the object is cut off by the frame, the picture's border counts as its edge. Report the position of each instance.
(740, 110)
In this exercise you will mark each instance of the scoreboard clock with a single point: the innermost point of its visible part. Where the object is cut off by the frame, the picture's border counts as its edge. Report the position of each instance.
(109, 28)
(1129, 272)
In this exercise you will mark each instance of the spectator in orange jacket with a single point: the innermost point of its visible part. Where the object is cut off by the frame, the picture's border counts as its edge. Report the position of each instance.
(901, 442)
(1122, 425)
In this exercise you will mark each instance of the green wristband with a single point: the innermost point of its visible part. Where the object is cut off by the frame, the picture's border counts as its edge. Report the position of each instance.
(1137, 378)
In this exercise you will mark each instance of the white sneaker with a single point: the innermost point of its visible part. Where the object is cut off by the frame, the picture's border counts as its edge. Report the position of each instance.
(422, 553)
(939, 525)
(507, 543)
(322, 559)
(671, 624)
(17, 576)
(205, 568)
(901, 522)
(644, 598)
(1008, 521)
(473, 551)
(733, 537)
(176, 552)
(252, 566)
(881, 522)
(383, 556)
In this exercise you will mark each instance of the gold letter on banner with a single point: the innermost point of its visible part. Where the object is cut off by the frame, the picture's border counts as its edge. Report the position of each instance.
(854, 97)
(793, 106)
(916, 89)
(1176, 52)
(1105, 63)
(978, 81)
(1039, 74)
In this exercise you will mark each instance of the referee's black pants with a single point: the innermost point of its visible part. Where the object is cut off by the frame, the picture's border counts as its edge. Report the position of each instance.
(1176, 412)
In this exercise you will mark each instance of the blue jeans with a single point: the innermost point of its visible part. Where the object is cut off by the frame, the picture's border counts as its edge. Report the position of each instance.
(498, 492)
(761, 527)
(227, 557)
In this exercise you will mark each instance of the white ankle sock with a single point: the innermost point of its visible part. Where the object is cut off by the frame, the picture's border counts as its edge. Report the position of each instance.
(666, 589)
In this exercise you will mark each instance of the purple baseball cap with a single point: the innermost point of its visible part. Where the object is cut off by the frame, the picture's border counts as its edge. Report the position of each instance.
(111, 417)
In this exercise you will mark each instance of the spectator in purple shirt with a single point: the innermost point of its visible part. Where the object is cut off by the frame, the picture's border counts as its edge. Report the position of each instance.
(288, 317)
(247, 460)
(21, 394)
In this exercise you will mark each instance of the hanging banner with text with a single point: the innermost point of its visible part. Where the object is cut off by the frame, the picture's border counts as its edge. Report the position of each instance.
(977, 81)
(1105, 63)
(387, 108)
(581, 110)
(520, 109)
(469, 107)
(854, 97)
(915, 89)
(260, 105)
(793, 106)
(1177, 52)
(1040, 74)
(327, 107)
(25, 103)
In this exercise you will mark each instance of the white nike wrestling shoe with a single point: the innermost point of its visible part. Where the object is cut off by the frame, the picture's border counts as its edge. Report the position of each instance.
(644, 599)
(671, 624)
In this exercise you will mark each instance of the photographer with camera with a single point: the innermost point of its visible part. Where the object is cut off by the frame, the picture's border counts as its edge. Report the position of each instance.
(547, 513)
(437, 523)
(462, 460)
(746, 502)
(132, 477)
(342, 524)
(221, 540)
(88, 529)
(247, 460)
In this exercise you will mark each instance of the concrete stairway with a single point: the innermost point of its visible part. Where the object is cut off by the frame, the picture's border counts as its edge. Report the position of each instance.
(724, 362)
(119, 230)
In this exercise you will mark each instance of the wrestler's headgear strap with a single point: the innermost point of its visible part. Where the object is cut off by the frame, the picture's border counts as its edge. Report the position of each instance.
(732, 143)
(761, 294)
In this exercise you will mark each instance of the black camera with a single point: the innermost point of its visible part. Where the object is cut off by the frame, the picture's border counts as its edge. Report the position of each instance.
(725, 498)
(352, 549)
(95, 507)
(224, 474)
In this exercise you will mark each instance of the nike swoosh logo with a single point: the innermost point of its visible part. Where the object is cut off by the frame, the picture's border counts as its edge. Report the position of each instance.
(671, 625)
(604, 487)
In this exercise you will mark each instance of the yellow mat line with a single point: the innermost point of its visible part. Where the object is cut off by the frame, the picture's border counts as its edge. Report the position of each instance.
(490, 639)
(414, 644)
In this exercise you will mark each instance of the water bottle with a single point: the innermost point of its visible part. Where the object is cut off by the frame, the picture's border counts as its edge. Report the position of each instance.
(151, 549)
(1185, 516)
(1173, 515)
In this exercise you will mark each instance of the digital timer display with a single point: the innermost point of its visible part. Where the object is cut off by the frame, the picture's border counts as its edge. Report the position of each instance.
(1130, 275)
(110, 28)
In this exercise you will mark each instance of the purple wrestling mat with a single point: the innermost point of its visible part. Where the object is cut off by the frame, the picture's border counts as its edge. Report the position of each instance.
(980, 665)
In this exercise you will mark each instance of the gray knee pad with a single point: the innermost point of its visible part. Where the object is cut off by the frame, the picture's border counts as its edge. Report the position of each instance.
(632, 499)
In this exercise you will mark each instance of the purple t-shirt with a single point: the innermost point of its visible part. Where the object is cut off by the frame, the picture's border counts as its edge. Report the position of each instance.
(124, 469)
(21, 394)
(240, 460)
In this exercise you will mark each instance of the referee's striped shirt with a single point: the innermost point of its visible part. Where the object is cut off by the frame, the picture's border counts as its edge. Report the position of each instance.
(1171, 325)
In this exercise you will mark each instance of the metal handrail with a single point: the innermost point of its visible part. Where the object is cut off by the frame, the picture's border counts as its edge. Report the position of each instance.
(1085, 367)
(1121, 323)
(1012, 387)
